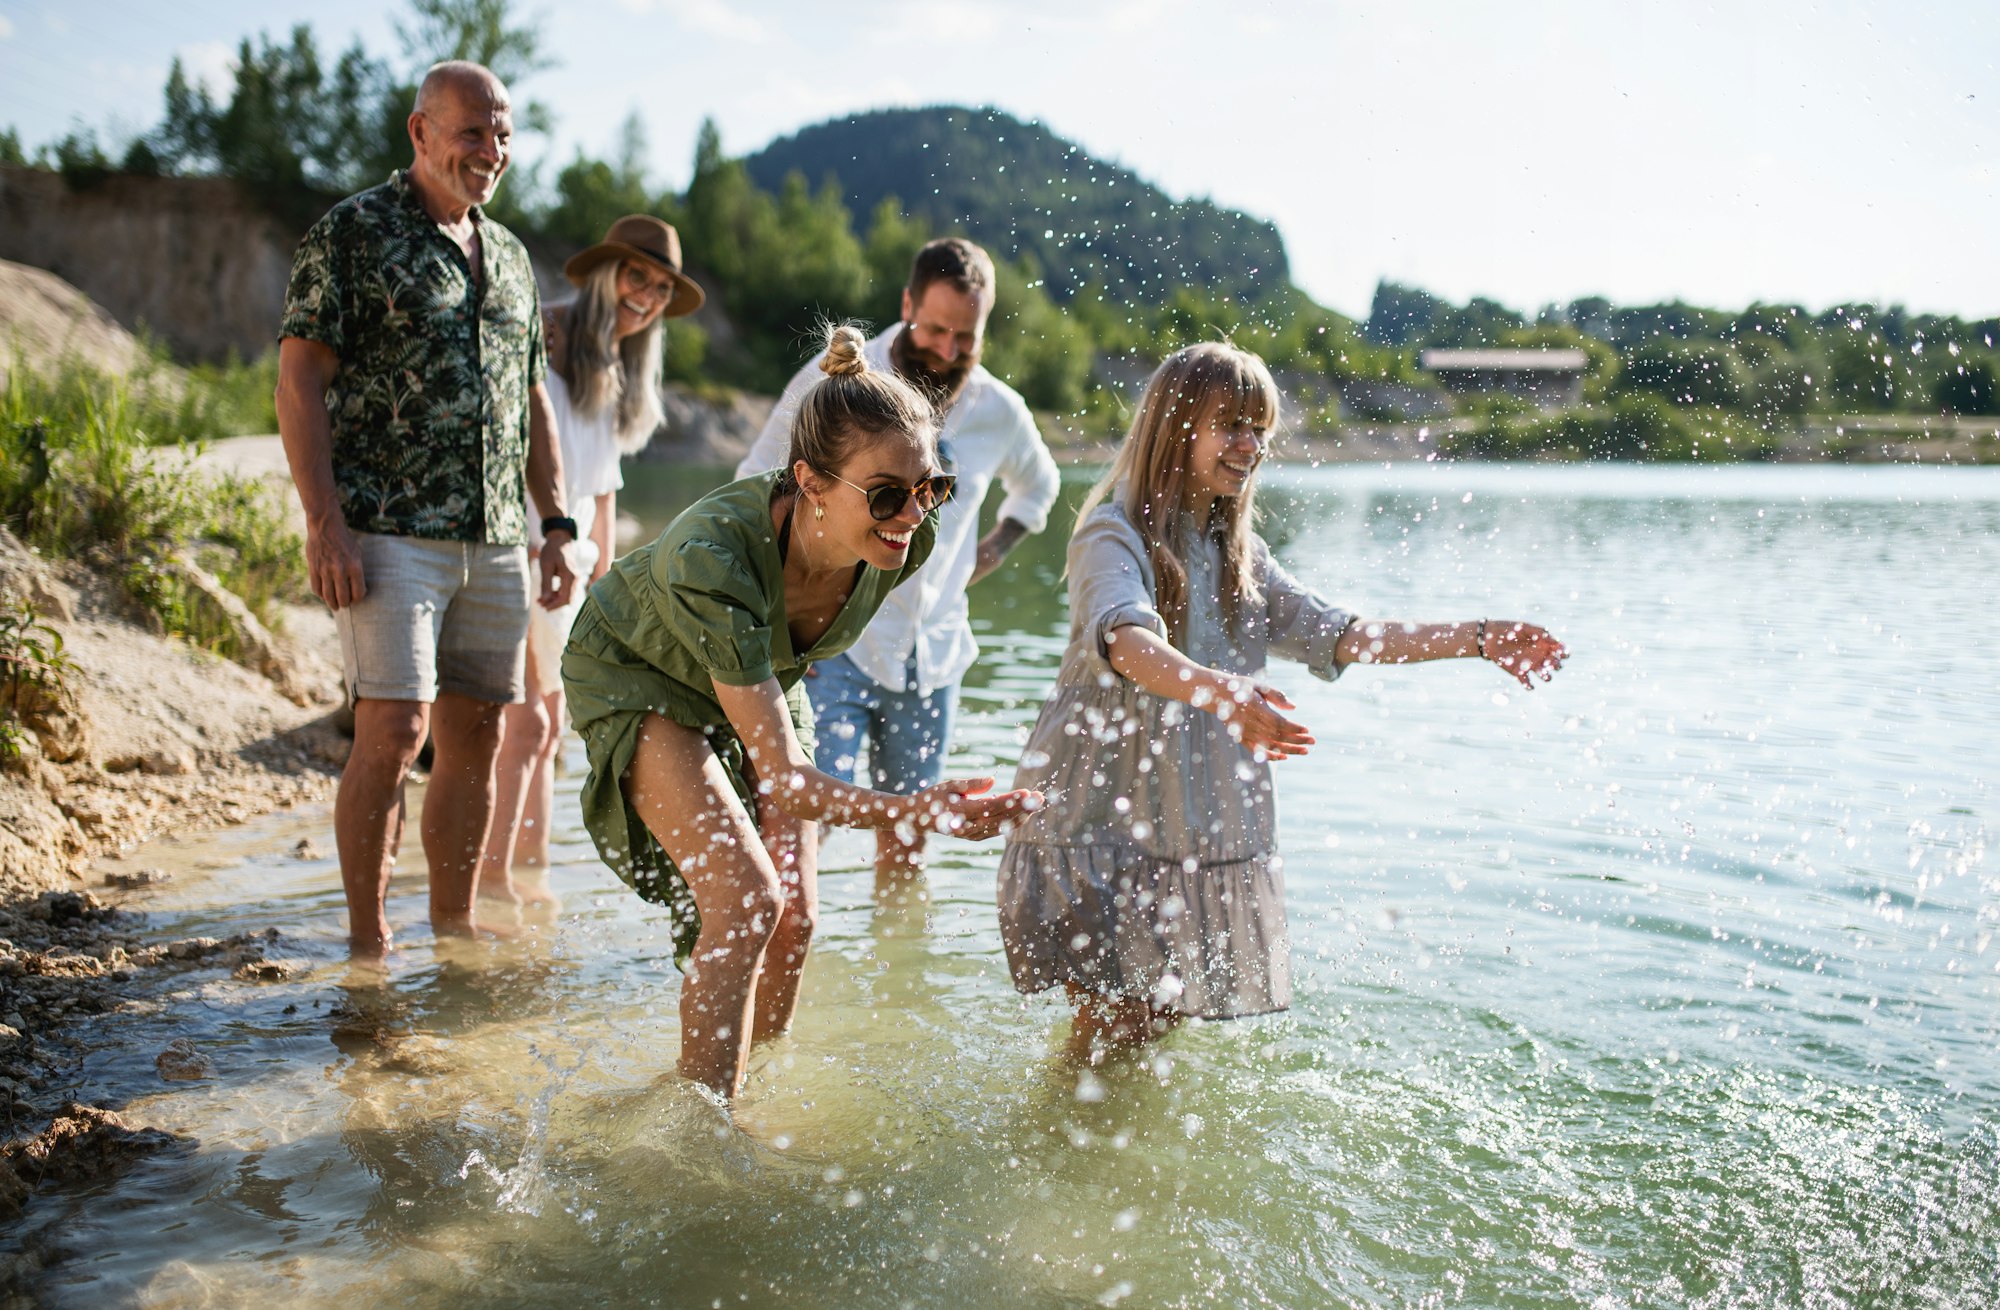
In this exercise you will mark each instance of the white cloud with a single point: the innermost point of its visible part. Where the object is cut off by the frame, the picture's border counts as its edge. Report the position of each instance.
(6, 27)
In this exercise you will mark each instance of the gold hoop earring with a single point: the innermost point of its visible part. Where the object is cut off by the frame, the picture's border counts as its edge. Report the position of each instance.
(819, 510)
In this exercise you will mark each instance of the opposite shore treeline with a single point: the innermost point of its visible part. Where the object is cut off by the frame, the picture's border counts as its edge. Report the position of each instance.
(1669, 381)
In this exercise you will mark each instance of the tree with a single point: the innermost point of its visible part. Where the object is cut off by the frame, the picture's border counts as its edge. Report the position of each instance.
(185, 139)
(1590, 315)
(1968, 389)
(781, 263)
(289, 130)
(273, 133)
(893, 241)
(80, 159)
(1400, 315)
(483, 32)
(1688, 372)
(1034, 346)
(591, 194)
(1863, 370)
(1786, 385)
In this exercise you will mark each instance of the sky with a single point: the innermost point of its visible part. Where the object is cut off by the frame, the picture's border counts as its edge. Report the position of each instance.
(1531, 151)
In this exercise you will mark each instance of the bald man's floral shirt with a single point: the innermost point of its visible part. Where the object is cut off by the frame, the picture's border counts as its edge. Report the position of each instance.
(430, 404)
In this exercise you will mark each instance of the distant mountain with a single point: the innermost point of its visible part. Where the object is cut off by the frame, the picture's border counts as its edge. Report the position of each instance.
(1020, 189)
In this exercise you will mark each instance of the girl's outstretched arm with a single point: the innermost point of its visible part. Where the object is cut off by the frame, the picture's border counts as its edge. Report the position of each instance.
(1523, 650)
(954, 806)
(1248, 707)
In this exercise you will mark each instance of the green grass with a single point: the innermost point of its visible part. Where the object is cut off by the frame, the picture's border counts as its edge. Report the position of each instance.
(162, 404)
(98, 469)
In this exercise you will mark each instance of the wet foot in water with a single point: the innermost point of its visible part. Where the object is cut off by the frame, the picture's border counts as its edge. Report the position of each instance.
(523, 898)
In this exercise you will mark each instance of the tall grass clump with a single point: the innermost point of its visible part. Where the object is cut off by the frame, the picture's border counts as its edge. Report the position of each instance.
(168, 404)
(83, 476)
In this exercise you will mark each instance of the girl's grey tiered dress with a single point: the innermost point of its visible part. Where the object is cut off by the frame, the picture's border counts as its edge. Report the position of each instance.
(1153, 871)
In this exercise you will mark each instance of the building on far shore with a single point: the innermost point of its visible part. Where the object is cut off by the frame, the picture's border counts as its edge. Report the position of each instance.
(1551, 379)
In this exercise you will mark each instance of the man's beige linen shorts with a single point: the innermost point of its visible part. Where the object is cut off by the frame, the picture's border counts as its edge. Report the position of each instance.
(439, 616)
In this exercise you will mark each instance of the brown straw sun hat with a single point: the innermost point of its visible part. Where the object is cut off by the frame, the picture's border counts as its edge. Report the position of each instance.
(647, 239)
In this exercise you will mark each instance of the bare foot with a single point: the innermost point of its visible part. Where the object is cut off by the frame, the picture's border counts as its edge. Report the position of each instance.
(370, 948)
(525, 895)
(466, 926)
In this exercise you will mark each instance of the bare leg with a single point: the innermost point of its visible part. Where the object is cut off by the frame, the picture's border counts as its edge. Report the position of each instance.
(458, 808)
(899, 869)
(368, 812)
(793, 845)
(683, 793)
(531, 845)
(524, 731)
(1106, 1025)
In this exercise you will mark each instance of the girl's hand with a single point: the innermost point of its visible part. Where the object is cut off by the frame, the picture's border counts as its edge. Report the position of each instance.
(957, 808)
(1250, 709)
(1524, 650)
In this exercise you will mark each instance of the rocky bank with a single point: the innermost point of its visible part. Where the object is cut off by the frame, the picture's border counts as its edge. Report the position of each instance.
(145, 735)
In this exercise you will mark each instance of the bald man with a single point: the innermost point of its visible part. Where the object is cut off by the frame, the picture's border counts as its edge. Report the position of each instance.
(410, 402)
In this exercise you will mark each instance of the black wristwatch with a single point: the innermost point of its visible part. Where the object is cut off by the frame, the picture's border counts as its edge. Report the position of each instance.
(560, 523)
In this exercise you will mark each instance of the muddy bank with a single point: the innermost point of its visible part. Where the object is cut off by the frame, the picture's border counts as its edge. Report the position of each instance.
(65, 956)
(142, 734)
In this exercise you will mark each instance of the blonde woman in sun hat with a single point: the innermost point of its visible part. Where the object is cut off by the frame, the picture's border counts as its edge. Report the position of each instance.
(604, 381)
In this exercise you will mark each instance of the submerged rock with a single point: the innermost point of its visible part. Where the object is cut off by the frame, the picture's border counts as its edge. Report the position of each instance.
(258, 970)
(182, 1063)
(83, 1142)
(129, 878)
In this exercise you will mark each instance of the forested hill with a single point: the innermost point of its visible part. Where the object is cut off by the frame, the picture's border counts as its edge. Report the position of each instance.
(1022, 190)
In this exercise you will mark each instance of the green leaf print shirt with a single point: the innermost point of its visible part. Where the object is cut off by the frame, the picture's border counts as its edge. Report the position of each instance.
(430, 404)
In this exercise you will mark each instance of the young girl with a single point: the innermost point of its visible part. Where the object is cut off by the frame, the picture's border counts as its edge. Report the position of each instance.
(1149, 885)
(684, 670)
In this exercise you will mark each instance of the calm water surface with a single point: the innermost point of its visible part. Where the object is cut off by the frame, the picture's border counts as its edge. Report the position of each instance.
(1671, 984)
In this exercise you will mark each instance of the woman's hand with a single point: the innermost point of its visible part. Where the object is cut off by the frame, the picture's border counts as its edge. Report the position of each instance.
(957, 808)
(1250, 709)
(1523, 650)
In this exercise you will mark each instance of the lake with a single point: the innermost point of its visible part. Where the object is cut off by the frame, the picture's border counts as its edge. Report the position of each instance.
(1673, 983)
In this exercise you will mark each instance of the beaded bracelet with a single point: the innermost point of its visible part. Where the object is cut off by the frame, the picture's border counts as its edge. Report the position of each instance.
(1482, 639)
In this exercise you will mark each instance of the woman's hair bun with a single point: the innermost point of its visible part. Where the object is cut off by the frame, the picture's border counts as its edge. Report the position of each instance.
(843, 352)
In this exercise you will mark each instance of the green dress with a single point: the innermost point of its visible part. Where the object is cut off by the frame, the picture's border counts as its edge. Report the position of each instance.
(703, 604)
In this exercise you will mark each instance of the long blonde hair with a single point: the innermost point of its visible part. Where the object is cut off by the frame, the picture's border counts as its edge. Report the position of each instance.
(601, 370)
(1212, 379)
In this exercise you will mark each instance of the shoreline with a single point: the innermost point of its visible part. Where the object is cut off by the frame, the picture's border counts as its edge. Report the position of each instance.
(1834, 442)
(141, 735)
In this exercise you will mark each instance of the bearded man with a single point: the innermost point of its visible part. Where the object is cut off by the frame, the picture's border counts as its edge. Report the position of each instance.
(896, 690)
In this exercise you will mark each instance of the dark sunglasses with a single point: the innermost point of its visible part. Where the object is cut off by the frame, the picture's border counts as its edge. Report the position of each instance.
(886, 502)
